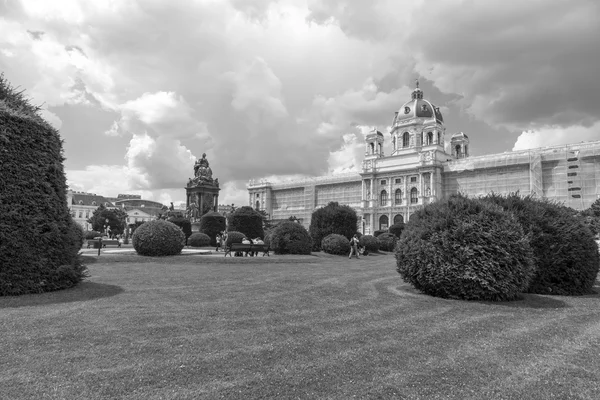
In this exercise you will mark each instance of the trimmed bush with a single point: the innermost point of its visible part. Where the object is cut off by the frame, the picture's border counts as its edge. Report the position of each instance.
(199, 239)
(211, 224)
(158, 238)
(333, 218)
(369, 242)
(290, 238)
(39, 242)
(335, 244)
(91, 234)
(397, 229)
(387, 241)
(248, 221)
(377, 233)
(466, 249)
(565, 252)
(234, 237)
(184, 224)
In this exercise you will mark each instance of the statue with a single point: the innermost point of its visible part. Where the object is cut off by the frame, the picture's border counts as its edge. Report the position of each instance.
(217, 182)
(202, 171)
(192, 211)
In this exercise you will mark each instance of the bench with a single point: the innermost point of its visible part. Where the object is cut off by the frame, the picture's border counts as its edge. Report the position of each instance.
(105, 242)
(247, 248)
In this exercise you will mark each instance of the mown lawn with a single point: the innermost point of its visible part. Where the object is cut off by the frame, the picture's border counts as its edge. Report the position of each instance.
(198, 327)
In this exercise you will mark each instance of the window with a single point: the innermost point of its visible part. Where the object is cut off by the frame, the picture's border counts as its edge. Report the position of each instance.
(383, 182)
(398, 196)
(80, 202)
(257, 195)
(94, 203)
(87, 213)
(383, 198)
(257, 205)
(383, 222)
(398, 219)
(405, 139)
(457, 148)
(80, 214)
(413, 179)
(414, 196)
(398, 181)
(429, 138)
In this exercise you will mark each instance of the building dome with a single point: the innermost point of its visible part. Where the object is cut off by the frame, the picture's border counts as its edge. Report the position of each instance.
(418, 107)
(459, 135)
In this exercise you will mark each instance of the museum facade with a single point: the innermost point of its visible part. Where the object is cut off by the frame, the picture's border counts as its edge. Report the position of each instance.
(420, 170)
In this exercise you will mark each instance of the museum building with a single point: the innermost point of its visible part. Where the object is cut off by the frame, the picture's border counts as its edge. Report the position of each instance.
(391, 188)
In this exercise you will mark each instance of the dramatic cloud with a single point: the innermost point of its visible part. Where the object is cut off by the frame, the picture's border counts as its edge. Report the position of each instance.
(288, 88)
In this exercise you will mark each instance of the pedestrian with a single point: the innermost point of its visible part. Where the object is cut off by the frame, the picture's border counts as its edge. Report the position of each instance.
(218, 238)
(353, 246)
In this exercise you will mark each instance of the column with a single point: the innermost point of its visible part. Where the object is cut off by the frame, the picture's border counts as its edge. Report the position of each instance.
(372, 194)
(390, 194)
(433, 191)
(201, 205)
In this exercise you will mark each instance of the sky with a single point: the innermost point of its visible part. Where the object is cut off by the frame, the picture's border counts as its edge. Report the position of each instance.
(282, 89)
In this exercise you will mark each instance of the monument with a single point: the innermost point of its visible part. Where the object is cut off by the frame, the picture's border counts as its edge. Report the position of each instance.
(202, 191)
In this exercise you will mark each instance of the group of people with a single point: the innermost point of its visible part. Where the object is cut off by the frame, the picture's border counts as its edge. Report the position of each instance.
(257, 240)
(221, 240)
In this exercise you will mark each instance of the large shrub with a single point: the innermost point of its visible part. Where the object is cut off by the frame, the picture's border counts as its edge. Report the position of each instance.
(336, 244)
(379, 232)
(396, 229)
(248, 221)
(467, 249)
(234, 237)
(184, 224)
(565, 252)
(199, 239)
(212, 223)
(333, 218)
(290, 238)
(158, 238)
(369, 242)
(39, 242)
(387, 241)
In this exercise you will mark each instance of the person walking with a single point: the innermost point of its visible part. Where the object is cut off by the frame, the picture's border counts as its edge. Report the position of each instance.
(353, 247)
(218, 239)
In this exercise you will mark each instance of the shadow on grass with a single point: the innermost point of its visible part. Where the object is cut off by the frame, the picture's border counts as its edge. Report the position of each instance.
(84, 291)
(528, 300)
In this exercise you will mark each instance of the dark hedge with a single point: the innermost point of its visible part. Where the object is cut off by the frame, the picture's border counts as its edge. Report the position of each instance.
(158, 238)
(234, 237)
(565, 252)
(387, 241)
(184, 224)
(248, 221)
(290, 238)
(333, 218)
(466, 249)
(336, 244)
(212, 223)
(39, 241)
(199, 239)
(397, 229)
(369, 242)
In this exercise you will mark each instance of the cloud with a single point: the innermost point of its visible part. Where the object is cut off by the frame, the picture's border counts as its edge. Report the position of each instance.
(555, 135)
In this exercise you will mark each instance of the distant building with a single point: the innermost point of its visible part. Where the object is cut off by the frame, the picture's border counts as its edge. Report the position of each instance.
(82, 205)
(420, 170)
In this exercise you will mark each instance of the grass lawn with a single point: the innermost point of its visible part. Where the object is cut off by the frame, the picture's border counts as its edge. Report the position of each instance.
(202, 327)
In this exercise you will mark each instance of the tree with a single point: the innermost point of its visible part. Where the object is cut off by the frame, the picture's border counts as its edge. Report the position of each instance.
(267, 223)
(247, 221)
(116, 220)
(591, 217)
(333, 218)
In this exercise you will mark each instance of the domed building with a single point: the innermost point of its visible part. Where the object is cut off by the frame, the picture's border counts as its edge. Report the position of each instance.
(421, 169)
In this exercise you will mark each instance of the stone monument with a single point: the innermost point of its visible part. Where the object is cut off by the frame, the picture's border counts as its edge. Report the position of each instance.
(202, 192)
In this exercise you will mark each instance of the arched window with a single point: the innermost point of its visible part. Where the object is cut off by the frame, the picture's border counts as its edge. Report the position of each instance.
(383, 198)
(80, 202)
(458, 153)
(257, 205)
(383, 222)
(429, 138)
(439, 135)
(398, 219)
(414, 196)
(372, 147)
(394, 142)
(405, 139)
(94, 203)
(398, 196)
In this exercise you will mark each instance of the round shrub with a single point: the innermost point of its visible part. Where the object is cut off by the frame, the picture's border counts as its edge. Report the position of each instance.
(212, 223)
(39, 243)
(91, 234)
(333, 218)
(248, 221)
(335, 244)
(158, 238)
(379, 232)
(397, 229)
(565, 252)
(387, 241)
(234, 237)
(466, 249)
(199, 239)
(369, 242)
(291, 238)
